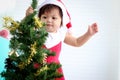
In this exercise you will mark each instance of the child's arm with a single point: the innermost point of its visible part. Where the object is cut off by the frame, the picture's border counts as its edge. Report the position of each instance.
(77, 42)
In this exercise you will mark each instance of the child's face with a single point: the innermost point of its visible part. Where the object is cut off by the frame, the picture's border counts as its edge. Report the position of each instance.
(52, 20)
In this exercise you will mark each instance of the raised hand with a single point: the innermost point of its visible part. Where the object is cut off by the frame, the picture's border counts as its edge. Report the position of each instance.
(92, 29)
(29, 11)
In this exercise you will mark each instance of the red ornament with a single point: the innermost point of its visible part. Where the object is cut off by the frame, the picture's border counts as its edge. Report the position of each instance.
(36, 65)
(4, 33)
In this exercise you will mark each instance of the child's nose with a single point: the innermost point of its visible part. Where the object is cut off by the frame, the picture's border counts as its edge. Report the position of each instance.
(49, 19)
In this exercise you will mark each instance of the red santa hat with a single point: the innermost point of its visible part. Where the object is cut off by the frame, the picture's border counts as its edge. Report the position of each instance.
(66, 15)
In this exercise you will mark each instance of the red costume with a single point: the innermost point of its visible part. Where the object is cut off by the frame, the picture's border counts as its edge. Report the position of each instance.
(57, 49)
(54, 40)
(54, 43)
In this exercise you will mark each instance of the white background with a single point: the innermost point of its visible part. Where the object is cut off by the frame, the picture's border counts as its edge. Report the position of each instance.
(98, 59)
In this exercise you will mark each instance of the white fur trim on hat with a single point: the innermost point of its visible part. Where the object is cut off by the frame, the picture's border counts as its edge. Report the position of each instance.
(66, 16)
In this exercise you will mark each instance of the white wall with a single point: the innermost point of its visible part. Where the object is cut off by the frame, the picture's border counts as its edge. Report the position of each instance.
(98, 59)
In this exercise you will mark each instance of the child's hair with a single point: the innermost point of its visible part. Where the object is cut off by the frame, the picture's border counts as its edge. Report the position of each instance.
(47, 8)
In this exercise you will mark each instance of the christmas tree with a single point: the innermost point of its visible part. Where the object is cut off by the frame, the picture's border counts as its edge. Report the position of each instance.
(27, 56)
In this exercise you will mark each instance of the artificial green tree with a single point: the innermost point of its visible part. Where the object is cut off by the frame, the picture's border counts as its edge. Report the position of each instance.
(27, 57)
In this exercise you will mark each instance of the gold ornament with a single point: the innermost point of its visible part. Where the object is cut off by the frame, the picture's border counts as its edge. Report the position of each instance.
(21, 65)
(10, 24)
(44, 58)
(38, 23)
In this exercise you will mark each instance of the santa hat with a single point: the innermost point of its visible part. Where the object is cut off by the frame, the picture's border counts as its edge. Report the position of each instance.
(66, 15)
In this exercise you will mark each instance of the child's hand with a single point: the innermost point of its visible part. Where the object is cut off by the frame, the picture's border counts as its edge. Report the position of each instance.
(92, 29)
(29, 11)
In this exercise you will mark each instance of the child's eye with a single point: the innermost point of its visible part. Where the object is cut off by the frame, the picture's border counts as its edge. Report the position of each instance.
(54, 18)
(44, 17)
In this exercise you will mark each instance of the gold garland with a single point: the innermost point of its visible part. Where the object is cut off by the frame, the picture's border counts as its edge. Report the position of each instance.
(38, 23)
(10, 24)
(44, 68)
(28, 61)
